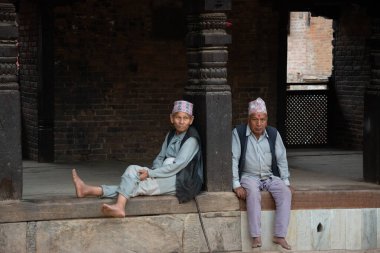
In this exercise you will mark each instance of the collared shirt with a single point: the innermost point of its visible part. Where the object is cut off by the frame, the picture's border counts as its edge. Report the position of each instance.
(258, 159)
(183, 155)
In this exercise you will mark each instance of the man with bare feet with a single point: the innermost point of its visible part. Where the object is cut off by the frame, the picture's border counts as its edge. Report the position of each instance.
(259, 163)
(177, 169)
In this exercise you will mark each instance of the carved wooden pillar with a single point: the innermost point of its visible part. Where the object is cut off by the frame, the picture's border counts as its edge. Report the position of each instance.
(207, 87)
(10, 127)
(371, 133)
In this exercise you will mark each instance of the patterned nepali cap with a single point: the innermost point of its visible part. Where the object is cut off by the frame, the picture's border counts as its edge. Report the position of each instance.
(257, 105)
(183, 106)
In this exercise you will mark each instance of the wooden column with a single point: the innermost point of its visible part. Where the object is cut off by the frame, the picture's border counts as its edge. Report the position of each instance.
(207, 87)
(10, 127)
(371, 133)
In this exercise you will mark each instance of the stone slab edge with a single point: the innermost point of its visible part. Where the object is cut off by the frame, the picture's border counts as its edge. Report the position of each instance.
(74, 208)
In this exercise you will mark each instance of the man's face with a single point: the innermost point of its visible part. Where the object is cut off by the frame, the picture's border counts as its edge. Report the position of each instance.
(181, 121)
(258, 122)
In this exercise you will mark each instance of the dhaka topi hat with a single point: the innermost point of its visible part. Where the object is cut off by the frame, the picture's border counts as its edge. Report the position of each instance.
(257, 105)
(183, 106)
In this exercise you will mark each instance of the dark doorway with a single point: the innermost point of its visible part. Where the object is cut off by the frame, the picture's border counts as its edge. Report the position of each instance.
(309, 66)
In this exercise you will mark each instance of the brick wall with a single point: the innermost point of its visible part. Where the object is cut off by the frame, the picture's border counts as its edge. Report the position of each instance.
(309, 48)
(118, 72)
(352, 74)
(29, 76)
(118, 69)
(253, 57)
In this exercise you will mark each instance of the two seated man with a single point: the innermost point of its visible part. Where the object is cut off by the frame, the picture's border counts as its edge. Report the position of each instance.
(258, 163)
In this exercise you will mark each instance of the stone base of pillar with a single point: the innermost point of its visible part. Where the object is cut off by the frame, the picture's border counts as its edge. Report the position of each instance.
(212, 109)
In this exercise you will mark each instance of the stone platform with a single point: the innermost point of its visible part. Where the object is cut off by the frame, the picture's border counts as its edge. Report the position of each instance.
(333, 210)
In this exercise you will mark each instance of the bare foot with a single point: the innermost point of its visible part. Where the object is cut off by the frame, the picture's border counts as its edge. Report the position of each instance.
(256, 242)
(282, 242)
(113, 211)
(80, 186)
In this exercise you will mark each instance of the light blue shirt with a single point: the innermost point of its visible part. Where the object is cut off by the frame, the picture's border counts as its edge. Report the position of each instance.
(183, 155)
(258, 159)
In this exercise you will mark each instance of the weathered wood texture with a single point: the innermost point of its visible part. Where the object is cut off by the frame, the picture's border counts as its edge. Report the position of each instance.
(10, 122)
(207, 87)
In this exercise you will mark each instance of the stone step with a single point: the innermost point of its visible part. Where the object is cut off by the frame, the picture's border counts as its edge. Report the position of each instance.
(73, 208)
(166, 226)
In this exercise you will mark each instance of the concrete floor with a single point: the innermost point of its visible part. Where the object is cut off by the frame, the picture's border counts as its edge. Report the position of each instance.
(311, 169)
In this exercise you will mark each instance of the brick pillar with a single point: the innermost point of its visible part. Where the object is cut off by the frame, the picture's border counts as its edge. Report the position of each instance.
(371, 133)
(207, 87)
(10, 127)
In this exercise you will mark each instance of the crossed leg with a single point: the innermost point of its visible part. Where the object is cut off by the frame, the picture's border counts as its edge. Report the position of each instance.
(84, 190)
(116, 210)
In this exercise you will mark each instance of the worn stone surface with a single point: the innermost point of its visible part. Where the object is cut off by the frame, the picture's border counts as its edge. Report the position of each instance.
(164, 233)
(218, 201)
(141, 234)
(54, 208)
(223, 231)
(13, 238)
(193, 235)
(31, 237)
(226, 232)
(73, 208)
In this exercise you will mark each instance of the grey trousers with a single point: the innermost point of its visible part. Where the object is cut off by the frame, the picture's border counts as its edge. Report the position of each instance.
(131, 186)
(282, 197)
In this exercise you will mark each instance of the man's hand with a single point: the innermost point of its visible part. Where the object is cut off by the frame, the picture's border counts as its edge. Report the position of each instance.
(143, 174)
(240, 192)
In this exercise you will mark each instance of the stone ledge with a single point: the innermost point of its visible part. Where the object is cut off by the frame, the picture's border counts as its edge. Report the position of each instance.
(325, 199)
(74, 208)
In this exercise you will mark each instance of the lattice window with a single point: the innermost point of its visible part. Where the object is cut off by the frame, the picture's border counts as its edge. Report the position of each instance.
(306, 119)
